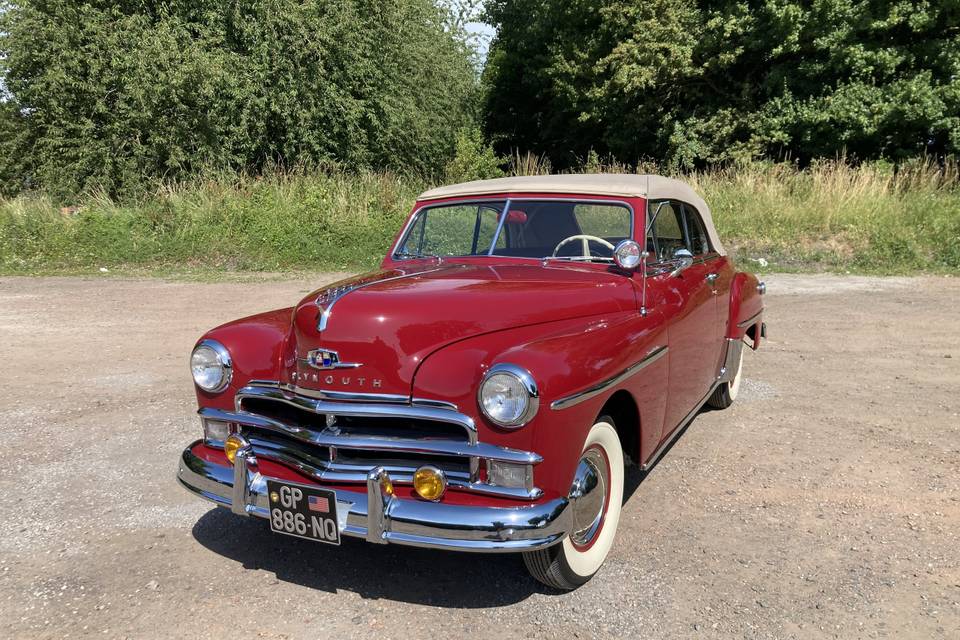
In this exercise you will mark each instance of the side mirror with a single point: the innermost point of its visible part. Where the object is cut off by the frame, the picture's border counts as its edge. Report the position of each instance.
(683, 258)
(627, 255)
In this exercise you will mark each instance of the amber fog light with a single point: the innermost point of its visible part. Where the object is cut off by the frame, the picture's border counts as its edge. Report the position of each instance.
(429, 483)
(232, 444)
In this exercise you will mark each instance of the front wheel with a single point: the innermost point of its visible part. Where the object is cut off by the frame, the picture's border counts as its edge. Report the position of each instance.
(596, 497)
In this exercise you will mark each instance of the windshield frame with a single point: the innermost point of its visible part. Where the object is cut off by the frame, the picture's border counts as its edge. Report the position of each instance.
(395, 253)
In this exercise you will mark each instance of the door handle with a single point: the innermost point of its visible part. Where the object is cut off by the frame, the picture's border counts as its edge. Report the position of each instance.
(712, 277)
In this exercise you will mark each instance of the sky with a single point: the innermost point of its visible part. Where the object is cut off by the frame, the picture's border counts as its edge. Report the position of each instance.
(484, 33)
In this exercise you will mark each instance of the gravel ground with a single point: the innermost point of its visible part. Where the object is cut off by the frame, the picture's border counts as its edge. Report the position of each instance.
(824, 503)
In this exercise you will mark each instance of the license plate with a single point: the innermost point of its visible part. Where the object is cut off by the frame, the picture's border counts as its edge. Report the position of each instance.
(304, 512)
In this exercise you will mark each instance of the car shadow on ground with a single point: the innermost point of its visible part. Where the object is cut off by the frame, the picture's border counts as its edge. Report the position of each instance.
(373, 571)
(393, 572)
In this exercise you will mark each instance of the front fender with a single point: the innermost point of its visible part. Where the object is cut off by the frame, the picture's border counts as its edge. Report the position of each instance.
(256, 345)
(564, 357)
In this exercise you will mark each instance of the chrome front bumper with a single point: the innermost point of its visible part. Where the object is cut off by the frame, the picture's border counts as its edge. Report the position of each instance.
(382, 518)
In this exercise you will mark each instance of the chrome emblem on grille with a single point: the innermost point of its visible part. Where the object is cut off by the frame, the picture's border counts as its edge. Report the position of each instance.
(325, 359)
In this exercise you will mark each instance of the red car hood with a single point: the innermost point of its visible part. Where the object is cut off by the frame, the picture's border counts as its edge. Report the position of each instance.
(389, 321)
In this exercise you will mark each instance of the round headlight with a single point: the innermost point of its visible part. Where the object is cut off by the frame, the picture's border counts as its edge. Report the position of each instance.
(211, 365)
(508, 395)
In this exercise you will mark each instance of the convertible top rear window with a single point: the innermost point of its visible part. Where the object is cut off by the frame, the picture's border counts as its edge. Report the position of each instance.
(561, 229)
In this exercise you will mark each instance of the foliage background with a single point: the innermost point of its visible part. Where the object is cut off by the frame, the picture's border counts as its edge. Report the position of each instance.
(278, 134)
(694, 83)
(114, 95)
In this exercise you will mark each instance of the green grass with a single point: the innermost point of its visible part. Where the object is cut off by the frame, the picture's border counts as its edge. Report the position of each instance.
(828, 217)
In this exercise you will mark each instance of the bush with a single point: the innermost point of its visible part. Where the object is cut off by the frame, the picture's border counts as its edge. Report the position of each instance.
(116, 96)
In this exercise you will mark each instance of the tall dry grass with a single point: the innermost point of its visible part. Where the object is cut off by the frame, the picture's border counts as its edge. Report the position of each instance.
(828, 216)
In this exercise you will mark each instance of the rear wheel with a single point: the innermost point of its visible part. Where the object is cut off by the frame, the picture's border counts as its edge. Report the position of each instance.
(595, 500)
(724, 395)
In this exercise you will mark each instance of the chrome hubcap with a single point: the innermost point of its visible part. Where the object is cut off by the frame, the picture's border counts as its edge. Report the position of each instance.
(588, 496)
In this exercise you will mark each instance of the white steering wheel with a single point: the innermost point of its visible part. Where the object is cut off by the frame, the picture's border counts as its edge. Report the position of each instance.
(585, 240)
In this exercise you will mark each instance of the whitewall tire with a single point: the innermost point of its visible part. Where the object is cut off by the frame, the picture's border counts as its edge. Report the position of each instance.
(595, 501)
(725, 394)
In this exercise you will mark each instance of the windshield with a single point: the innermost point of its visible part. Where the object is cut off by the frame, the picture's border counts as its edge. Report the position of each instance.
(564, 230)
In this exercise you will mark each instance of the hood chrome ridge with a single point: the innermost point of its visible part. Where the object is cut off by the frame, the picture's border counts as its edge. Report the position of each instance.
(329, 297)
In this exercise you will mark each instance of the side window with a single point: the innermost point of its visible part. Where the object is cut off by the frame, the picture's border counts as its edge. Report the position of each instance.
(666, 236)
(699, 243)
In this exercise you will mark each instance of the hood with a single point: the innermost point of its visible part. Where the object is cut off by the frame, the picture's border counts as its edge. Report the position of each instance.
(383, 324)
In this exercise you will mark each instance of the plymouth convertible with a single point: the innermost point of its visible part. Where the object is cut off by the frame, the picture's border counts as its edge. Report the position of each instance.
(522, 342)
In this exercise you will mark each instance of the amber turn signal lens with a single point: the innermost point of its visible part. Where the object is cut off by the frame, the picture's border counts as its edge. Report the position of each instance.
(429, 483)
(386, 485)
(231, 445)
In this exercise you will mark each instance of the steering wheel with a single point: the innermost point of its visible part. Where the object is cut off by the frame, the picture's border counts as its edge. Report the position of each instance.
(585, 240)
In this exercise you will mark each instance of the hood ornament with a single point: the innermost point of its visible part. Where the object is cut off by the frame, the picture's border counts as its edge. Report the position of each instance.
(325, 359)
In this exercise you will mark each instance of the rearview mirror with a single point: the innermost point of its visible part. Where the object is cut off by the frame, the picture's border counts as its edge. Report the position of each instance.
(628, 255)
(683, 259)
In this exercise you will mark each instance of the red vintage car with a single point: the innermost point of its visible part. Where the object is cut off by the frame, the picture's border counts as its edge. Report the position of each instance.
(523, 340)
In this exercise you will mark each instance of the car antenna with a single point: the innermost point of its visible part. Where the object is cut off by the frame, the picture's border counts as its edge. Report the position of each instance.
(646, 254)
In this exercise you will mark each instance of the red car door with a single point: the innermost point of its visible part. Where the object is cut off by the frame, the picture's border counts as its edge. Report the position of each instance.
(690, 309)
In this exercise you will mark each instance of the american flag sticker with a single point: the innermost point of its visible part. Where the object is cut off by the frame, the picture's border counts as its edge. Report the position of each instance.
(319, 504)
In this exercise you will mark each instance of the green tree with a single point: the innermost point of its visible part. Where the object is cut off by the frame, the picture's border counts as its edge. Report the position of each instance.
(691, 82)
(114, 94)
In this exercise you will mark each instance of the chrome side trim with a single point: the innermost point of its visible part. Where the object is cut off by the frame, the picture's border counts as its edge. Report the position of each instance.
(749, 321)
(591, 392)
(403, 521)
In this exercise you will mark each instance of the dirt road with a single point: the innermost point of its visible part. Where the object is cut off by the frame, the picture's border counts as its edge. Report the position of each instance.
(825, 503)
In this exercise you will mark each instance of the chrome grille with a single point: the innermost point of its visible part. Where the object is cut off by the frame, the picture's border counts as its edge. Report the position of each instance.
(343, 441)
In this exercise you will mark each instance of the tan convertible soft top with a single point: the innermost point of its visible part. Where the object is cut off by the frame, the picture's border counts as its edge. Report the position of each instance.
(623, 185)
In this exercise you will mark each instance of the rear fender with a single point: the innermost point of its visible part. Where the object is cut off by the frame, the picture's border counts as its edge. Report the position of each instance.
(746, 309)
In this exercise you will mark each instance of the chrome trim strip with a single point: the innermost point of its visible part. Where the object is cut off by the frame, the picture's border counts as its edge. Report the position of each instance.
(591, 392)
(437, 404)
(407, 521)
(348, 396)
(405, 445)
(751, 320)
(359, 410)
